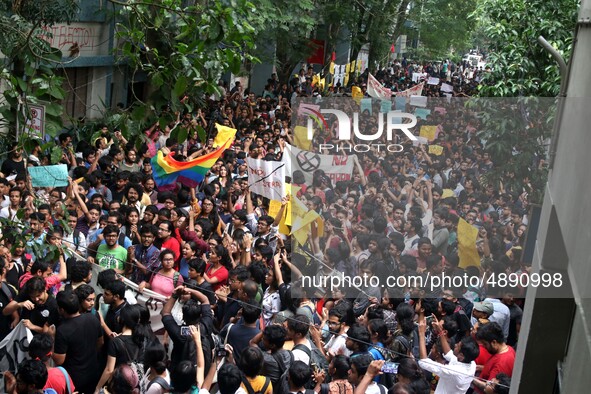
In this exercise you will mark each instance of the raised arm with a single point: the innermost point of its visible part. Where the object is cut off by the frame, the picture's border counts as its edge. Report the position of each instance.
(196, 334)
(360, 170)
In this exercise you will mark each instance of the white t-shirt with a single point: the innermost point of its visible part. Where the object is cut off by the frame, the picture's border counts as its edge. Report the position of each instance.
(300, 355)
(336, 345)
(374, 388)
(454, 378)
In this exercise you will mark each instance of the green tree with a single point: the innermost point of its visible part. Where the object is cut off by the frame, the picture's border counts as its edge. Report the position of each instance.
(520, 66)
(183, 48)
(522, 69)
(29, 65)
(445, 26)
(377, 23)
(288, 26)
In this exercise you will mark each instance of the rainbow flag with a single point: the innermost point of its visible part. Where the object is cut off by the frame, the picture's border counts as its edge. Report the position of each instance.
(166, 170)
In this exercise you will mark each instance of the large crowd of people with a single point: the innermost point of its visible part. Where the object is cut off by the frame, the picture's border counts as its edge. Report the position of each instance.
(236, 319)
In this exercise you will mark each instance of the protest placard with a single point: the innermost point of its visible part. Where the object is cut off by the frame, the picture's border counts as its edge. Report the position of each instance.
(49, 176)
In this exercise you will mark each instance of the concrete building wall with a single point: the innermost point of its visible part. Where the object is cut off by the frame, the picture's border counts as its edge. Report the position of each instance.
(554, 351)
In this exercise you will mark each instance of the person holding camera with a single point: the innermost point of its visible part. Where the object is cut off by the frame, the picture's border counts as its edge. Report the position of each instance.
(196, 311)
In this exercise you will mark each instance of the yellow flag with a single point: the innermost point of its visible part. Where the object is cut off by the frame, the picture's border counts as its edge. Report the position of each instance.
(348, 68)
(315, 79)
(331, 68)
(467, 235)
(437, 150)
(322, 83)
(346, 79)
(224, 134)
(320, 224)
(301, 226)
(285, 221)
(356, 94)
(274, 207)
(353, 66)
(300, 135)
(428, 132)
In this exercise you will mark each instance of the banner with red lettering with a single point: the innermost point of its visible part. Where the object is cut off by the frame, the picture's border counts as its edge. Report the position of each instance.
(376, 90)
(304, 163)
(416, 90)
(266, 178)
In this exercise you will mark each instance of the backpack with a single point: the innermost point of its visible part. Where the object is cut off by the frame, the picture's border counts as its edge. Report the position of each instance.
(412, 345)
(317, 358)
(189, 351)
(136, 366)
(282, 386)
(161, 381)
(5, 287)
(249, 388)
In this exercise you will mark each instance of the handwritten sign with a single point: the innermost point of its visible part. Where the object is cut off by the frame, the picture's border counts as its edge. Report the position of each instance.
(49, 176)
(433, 81)
(268, 178)
(418, 101)
(366, 105)
(436, 150)
(447, 88)
(400, 103)
(428, 132)
(386, 106)
(422, 113)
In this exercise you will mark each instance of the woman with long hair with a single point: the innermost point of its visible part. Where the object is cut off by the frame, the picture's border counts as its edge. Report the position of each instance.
(209, 211)
(189, 251)
(271, 299)
(127, 347)
(218, 266)
(167, 278)
(131, 229)
(404, 335)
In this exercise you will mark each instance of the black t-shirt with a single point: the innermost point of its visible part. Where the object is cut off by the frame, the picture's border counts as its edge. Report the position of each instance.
(124, 349)
(7, 294)
(42, 313)
(111, 317)
(77, 338)
(11, 167)
(14, 274)
(184, 346)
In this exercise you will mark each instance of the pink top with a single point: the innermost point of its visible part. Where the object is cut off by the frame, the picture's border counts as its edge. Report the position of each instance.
(164, 285)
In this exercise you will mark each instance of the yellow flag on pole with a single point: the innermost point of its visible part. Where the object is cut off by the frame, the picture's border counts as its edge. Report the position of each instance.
(224, 134)
(356, 94)
(467, 235)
